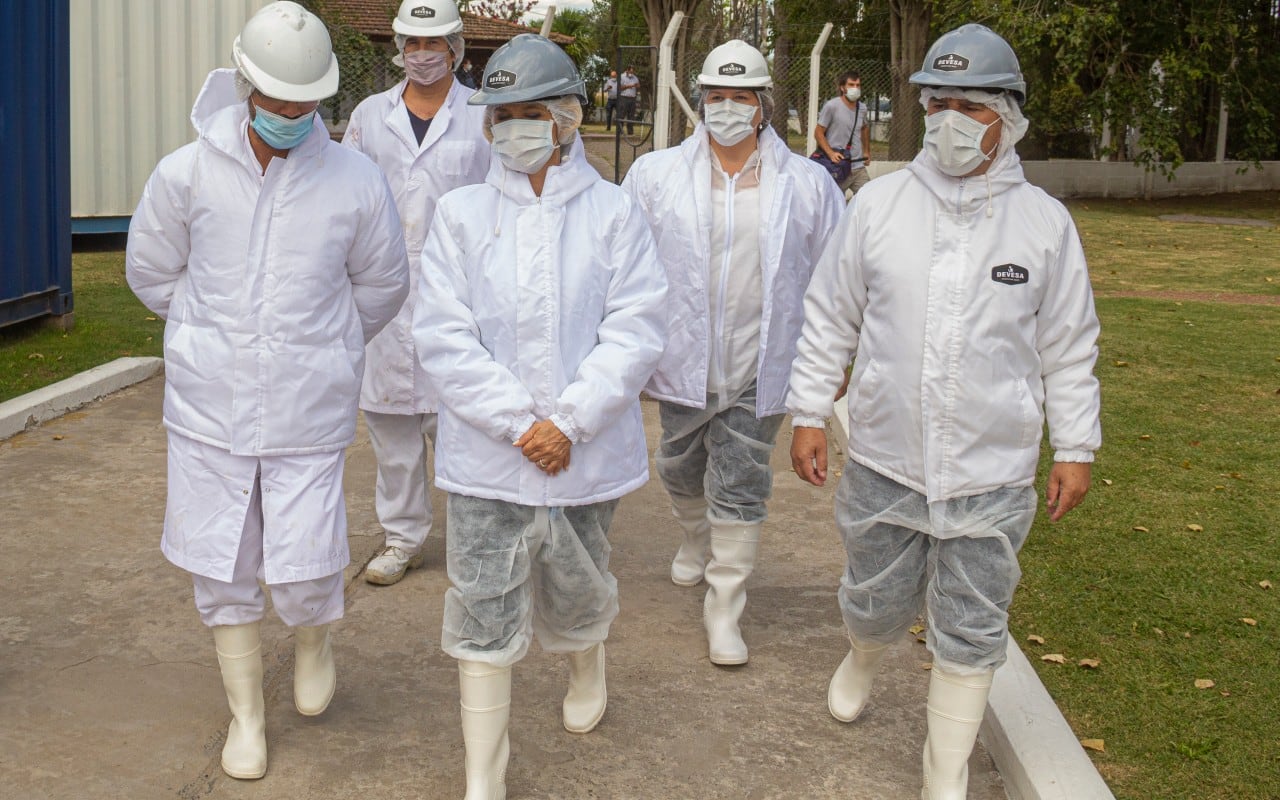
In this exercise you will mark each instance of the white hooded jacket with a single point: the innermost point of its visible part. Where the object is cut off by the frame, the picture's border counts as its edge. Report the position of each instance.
(534, 308)
(270, 284)
(967, 303)
(454, 153)
(799, 208)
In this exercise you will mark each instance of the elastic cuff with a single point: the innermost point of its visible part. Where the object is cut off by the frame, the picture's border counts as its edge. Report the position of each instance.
(1073, 456)
(809, 422)
(521, 425)
(566, 425)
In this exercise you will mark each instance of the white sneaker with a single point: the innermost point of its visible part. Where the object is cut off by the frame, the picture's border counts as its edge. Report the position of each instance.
(390, 566)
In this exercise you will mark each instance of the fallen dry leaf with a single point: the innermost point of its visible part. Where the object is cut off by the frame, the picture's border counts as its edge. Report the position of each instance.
(917, 628)
(1186, 464)
(1141, 529)
(1249, 621)
(1265, 584)
(59, 438)
(1091, 663)
(1195, 528)
(1122, 363)
(1219, 488)
(1204, 683)
(38, 356)
(1186, 634)
(1145, 436)
(151, 319)
(1106, 481)
(1097, 745)
(928, 665)
(1225, 694)
(1056, 658)
(1035, 637)
(1158, 632)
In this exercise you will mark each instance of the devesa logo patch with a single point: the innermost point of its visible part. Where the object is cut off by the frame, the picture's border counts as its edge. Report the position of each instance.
(1010, 274)
(732, 68)
(423, 12)
(951, 63)
(500, 79)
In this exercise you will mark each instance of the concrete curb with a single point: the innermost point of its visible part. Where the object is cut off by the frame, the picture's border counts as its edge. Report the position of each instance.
(1035, 750)
(33, 408)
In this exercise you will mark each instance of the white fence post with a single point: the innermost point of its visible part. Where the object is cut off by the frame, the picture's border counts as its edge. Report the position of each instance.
(815, 75)
(546, 22)
(666, 84)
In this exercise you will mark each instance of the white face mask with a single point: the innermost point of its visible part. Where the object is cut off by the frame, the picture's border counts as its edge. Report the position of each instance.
(729, 122)
(954, 141)
(853, 94)
(523, 145)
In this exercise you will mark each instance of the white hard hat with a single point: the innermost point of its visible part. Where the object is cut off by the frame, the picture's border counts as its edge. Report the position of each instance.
(285, 52)
(427, 18)
(735, 63)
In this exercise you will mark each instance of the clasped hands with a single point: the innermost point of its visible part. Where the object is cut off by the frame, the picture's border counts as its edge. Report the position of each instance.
(545, 446)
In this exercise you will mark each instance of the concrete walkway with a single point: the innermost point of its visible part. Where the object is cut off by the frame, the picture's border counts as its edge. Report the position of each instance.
(109, 686)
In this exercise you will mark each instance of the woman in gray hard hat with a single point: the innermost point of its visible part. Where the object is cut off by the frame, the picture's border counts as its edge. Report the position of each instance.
(428, 141)
(274, 255)
(540, 316)
(740, 221)
(967, 337)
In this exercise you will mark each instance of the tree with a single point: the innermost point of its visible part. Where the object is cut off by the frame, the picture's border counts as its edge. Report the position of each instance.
(509, 10)
(908, 41)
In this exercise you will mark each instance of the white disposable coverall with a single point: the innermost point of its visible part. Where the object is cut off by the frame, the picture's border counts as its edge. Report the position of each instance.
(270, 285)
(398, 402)
(967, 303)
(536, 308)
(799, 208)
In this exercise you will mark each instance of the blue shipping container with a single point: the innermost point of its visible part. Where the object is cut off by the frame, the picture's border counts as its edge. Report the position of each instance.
(35, 158)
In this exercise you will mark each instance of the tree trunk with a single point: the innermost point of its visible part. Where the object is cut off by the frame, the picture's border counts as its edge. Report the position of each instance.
(908, 41)
(657, 15)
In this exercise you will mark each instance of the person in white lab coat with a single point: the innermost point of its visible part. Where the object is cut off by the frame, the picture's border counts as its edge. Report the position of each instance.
(274, 255)
(968, 335)
(740, 221)
(540, 317)
(428, 141)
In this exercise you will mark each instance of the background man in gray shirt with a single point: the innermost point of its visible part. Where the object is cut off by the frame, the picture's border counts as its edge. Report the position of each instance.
(842, 131)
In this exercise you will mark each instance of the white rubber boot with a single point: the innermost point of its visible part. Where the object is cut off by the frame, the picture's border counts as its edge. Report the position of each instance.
(955, 708)
(851, 684)
(240, 658)
(485, 691)
(587, 697)
(733, 556)
(314, 675)
(691, 559)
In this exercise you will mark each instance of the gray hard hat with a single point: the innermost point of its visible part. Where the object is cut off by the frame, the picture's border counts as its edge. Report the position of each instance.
(529, 67)
(972, 57)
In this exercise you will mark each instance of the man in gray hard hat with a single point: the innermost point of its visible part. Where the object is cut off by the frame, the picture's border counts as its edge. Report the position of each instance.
(968, 335)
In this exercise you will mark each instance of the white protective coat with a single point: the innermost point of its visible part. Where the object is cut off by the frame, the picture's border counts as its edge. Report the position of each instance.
(270, 286)
(799, 208)
(540, 308)
(454, 153)
(958, 362)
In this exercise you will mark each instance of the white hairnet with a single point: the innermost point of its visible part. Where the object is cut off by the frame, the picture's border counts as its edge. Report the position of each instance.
(1015, 124)
(243, 87)
(565, 111)
(457, 46)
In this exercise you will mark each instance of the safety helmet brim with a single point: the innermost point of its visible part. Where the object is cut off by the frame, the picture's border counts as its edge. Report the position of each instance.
(728, 82)
(426, 33)
(999, 82)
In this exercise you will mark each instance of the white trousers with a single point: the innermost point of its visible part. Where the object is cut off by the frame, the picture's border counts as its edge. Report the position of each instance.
(400, 498)
(241, 600)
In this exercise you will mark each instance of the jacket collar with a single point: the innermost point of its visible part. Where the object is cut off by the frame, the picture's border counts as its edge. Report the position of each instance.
(966, 195)
(397, 117)
(221, 119)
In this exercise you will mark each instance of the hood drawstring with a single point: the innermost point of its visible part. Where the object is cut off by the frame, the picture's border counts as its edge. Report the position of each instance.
(987, 175)
(502, 195)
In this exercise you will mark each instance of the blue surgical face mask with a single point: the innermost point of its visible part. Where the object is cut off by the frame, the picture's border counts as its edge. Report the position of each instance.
(279, 132)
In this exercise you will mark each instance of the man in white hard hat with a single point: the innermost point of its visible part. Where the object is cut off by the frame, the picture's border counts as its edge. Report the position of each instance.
(428, 141)
(274, 255)
(969, 332)
(740, 221)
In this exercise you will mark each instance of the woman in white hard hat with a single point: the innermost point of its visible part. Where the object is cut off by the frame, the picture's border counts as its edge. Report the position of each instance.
(967, 339)
(428, 141)
(274, 255)
(539, 319)
(739, 220)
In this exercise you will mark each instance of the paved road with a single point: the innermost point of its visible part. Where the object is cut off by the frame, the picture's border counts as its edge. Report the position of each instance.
(109, 685)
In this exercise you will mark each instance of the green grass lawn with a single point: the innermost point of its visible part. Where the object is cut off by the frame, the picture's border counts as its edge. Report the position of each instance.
(1191, 424)
(109, 323)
